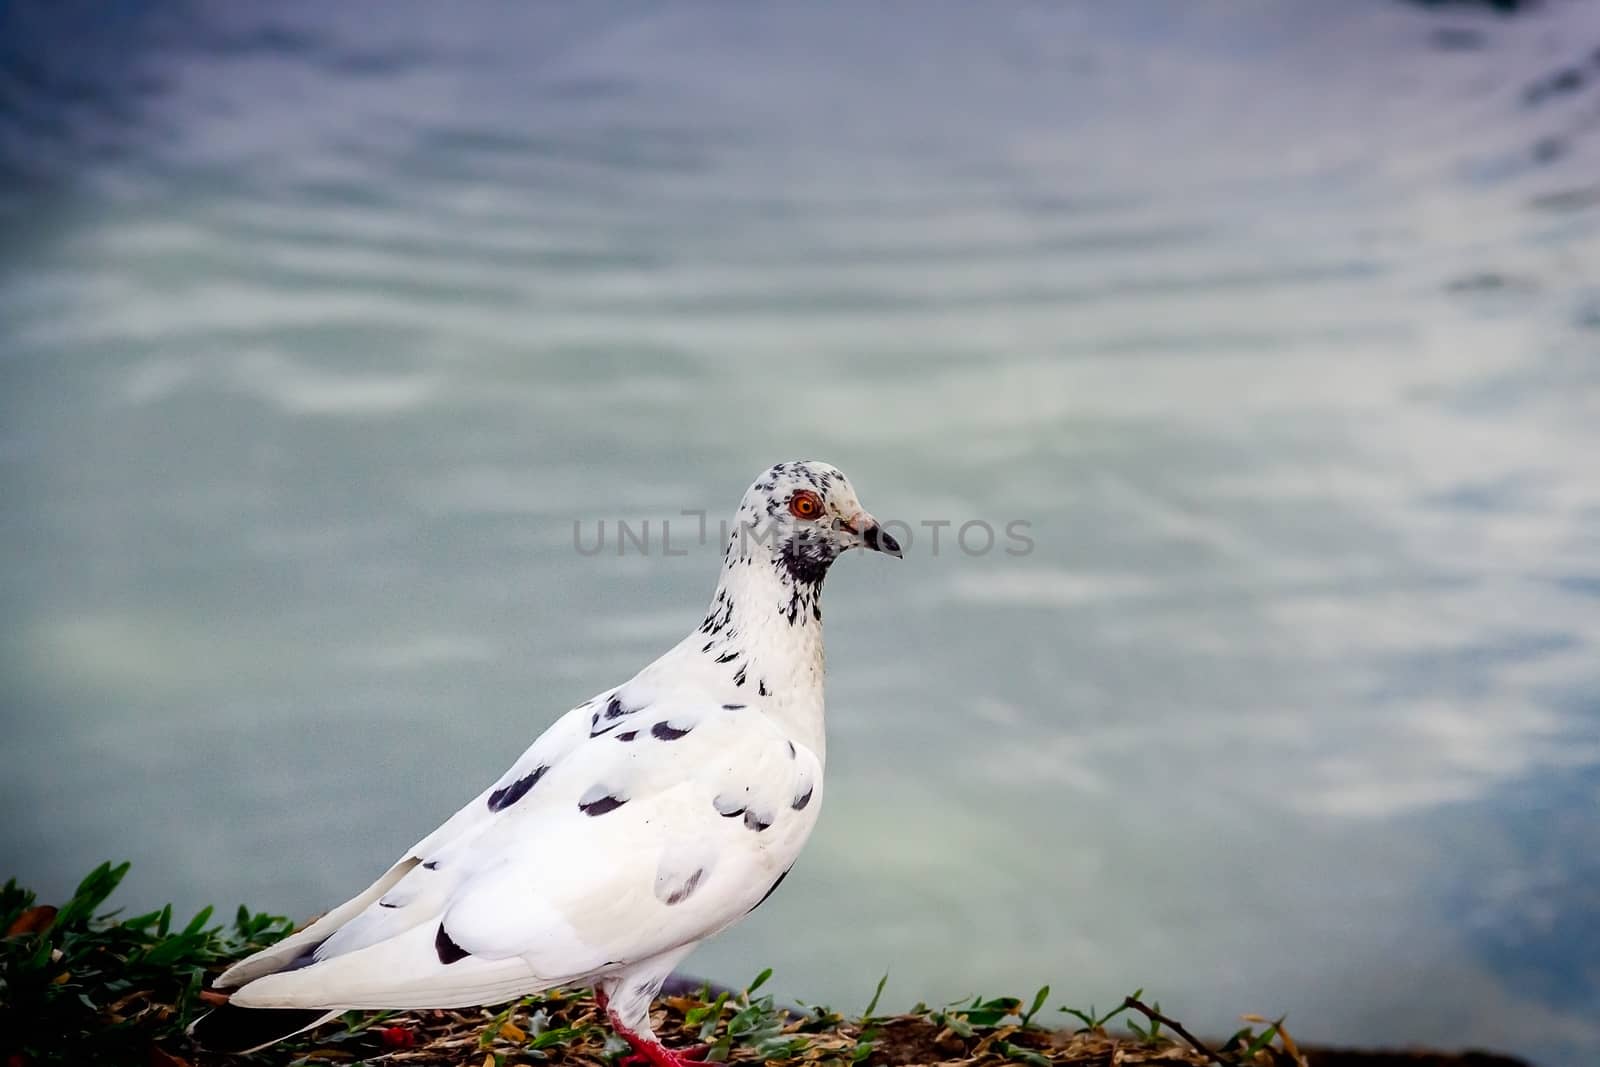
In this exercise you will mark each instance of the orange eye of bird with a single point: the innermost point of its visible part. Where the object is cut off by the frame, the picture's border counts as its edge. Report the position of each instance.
(805, 505)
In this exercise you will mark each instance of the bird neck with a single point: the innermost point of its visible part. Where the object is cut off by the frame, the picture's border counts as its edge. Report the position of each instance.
(764, 630)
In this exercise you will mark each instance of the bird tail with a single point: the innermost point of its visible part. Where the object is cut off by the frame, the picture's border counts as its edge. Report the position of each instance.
(231, 1028)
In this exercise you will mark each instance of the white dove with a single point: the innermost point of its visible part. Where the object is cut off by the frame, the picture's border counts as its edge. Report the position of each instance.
(642, 822)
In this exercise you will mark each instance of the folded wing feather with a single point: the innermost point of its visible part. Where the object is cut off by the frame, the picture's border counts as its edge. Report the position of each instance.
(616, 843)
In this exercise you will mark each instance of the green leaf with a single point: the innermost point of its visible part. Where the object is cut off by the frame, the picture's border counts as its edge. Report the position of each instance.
(198, 923)
(744, 1020)
(1038, 1002)
(872, 1006)
(761, 980)
(1024, 1055)
(91, 893)
(141, 923)
(1087, 1018)
(1240, 1038)
(1009, 1005)
(164, 953)
(1114, 1012)
(1261, 1042)
(557, 1036)
(711, 1012)
(781, 1048)
(989, 1013)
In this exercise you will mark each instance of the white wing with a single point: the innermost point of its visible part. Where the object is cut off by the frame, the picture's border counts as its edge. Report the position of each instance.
(636, 824)
(293, 951)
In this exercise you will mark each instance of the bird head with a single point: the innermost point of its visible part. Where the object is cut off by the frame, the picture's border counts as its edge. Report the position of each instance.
(806, 513)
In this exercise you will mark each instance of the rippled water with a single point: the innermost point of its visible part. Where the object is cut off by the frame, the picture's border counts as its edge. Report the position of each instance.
(1278, 322)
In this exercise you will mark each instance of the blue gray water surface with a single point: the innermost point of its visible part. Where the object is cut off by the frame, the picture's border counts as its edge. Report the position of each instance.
(321, 325)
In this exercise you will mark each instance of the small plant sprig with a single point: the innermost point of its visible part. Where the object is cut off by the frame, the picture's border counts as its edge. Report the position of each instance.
(544, 1030)
(1093, 1021)
(756, 1023)
(995, 1024)
(866, 1039)
(1244, 1047)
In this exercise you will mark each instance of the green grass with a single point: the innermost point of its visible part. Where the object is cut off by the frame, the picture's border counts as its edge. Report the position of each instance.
(83, 985)
(88, 986)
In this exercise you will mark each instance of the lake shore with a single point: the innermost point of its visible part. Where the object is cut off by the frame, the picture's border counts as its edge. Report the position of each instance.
(83, 985)
(566, 1028)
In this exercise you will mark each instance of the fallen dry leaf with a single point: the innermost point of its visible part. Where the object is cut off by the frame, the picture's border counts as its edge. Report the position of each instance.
(33, 921)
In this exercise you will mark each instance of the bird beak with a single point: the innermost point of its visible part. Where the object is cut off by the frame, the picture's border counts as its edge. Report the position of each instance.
(873, 535)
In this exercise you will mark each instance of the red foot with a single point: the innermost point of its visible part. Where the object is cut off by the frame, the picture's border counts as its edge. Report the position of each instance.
(658, 1055)
(647, 1051)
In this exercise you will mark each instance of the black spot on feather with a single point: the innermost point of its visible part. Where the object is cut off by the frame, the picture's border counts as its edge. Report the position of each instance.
(503, 798)
(738, 679)
(431, 865)
(449, 952)
(761, 687)
(612, 722)
(806, 559)
(682, 893)
(665, 731)
(758, 823)
(627, 735)
(727, 657)
(386, 904)
(803, 799)
(602, 805)
(733, 707)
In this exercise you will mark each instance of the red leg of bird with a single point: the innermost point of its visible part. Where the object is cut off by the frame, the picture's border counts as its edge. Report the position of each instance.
(647, 1051)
